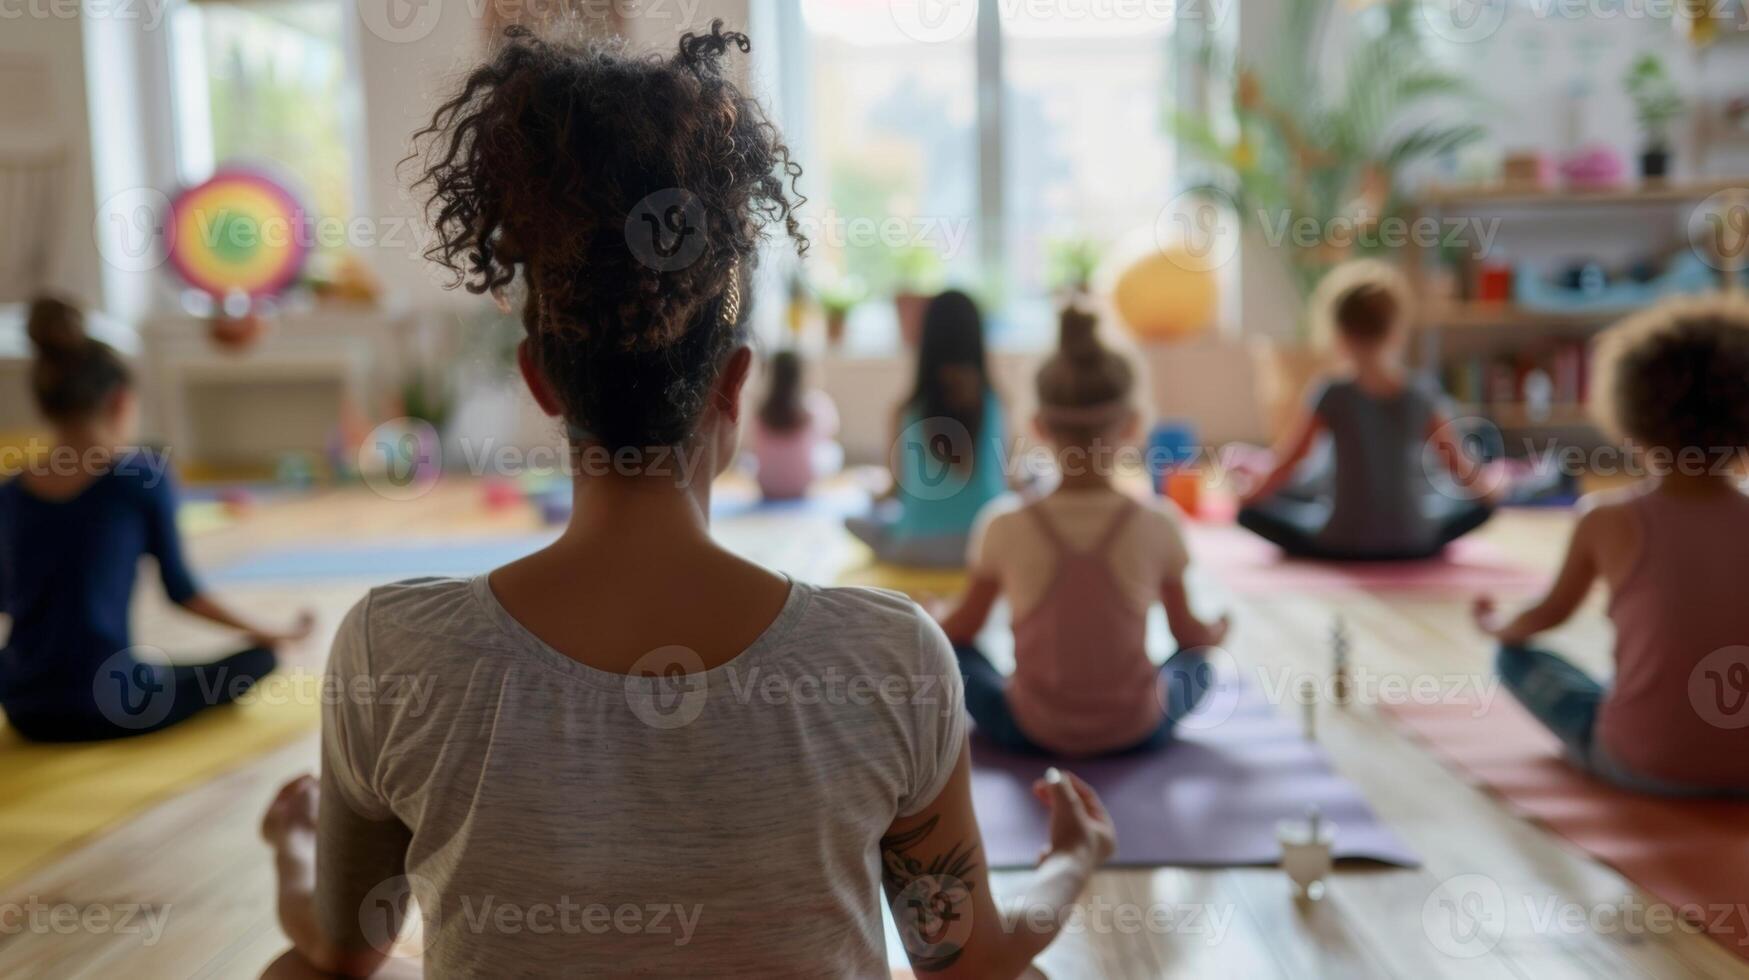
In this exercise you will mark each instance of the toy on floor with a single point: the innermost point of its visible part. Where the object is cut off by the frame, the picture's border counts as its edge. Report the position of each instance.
(498, 493)
(1340, 689)
(1309, 707)
(1306, 852)
(237, 500)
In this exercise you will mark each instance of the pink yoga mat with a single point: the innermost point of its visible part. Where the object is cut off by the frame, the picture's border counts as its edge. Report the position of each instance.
(1245, 562)
(1688, 853)
(1209, 799)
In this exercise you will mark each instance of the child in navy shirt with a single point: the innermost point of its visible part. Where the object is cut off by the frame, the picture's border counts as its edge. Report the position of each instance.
(72, 530)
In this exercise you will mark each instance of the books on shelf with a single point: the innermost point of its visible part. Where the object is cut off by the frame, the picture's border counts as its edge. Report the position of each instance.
(1538, 382)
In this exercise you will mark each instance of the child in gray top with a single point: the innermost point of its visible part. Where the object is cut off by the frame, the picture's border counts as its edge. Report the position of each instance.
(1388, 499)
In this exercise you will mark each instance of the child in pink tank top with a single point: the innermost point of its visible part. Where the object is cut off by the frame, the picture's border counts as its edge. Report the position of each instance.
(1675, 717)
(1080, 568)
(793, 432)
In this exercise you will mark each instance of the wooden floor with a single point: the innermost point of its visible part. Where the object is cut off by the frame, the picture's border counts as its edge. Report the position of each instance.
(197, 858)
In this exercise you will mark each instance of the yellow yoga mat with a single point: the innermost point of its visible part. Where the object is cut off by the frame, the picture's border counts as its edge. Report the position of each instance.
(918, 583)
(53, 797)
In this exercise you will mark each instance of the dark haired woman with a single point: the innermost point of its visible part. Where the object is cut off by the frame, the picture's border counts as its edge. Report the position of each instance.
(656, 757)
(73, 527)
(1080, 569)
(792, 439)
(948, 455)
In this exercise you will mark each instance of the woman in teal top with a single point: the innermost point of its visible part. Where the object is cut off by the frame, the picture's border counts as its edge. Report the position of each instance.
(948, 447)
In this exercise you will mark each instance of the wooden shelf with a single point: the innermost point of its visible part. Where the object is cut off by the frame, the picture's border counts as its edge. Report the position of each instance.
(1487, 316)
(1498, 195)
(1515, 415)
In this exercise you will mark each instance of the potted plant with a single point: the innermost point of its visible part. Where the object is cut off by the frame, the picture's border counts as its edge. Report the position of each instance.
(1285, 148)
(1070, 264)
(1657, 103)
(919, 274)
(837, 298)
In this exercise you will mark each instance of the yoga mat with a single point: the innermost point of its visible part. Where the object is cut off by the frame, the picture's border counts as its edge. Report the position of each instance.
(383, 561)
(1211, 798)
(53, 797)
(914, 582)
(1246, 563)
(1685, 852)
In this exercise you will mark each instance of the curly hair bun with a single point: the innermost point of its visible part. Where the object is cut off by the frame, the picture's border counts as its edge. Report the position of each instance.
(1085, 385)
(1078, 335)
(56, 329)
(1673, 376)
(630, 195)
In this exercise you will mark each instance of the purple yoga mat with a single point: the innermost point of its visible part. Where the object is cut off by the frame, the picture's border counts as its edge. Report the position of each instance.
(1211, 798)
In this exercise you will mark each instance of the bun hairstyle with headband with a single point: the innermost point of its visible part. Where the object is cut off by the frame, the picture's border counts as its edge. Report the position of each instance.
(627, 196)
(74, 374)
(1085, 387)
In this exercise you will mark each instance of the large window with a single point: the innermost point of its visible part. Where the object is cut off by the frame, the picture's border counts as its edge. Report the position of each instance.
(948, 144)
(266, 81)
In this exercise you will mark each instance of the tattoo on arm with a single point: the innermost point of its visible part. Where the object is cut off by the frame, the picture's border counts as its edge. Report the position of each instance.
(931, 901)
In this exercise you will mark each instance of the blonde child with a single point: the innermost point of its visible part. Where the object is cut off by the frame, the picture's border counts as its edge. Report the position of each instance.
(1673, 720)
(72, 532)
(1080, 568)
(1383, 503)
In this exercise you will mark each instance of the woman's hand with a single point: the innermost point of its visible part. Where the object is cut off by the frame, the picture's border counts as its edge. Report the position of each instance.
(1206, 634)
(300, 630)
(1488, 619)
(1080, 827)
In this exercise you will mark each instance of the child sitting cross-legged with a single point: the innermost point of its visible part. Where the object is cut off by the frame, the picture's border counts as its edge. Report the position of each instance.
(1673, 720)
(1080, 568)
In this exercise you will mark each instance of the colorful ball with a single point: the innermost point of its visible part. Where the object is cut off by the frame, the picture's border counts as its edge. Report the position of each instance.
(238, 232)
(1166, 295)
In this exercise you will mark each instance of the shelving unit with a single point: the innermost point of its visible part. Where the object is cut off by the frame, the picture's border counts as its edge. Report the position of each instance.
(1507, 332)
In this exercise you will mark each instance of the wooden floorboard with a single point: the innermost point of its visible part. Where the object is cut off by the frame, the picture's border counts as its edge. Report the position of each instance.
(198, 859)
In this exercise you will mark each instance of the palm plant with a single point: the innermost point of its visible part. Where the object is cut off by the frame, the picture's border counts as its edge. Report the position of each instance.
(1281, 143)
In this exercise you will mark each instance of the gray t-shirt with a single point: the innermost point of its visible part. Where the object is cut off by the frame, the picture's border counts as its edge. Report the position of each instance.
(1383, 498)
(562, 820)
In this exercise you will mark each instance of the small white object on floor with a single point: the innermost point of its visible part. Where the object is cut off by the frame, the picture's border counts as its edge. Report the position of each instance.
(1309, 704)
(1306, 852)
(1339, 644)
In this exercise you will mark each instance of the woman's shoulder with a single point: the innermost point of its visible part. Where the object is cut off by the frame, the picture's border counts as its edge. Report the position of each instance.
(417, 618)
(869, 623)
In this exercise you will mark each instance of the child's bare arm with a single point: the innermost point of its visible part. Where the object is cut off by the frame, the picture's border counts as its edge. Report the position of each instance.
(933, 868)
(1189, 630)
(966, 618)
(1289, 454)
(1572, 584)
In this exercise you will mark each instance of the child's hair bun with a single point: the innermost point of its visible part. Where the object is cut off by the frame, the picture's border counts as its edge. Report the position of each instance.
(1078, 335)
(56, 329)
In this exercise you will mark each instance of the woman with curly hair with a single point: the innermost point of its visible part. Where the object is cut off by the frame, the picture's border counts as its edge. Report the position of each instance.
(634, 752)
(1674, 719)
(1384, 503)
